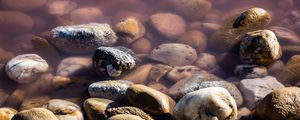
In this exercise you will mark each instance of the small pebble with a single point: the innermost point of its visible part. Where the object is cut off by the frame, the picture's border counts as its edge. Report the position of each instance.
(183, 72)
(85, 15)
(95, 107)
(35, 114)
(195, 39)
(125, 117)
(250, 71)
(128, 110)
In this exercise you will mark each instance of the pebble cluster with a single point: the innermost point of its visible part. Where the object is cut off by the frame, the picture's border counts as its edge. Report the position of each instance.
(149, 60)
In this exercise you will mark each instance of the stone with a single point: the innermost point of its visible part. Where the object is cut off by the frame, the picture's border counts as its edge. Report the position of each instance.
(280, 104)
(142, 46)
(64, 110)
(168, 25)
(191, 9)
(72, 66)
(61, 7)
(139, 75)
(275, 67)
(85, 15)
(26, 68)
(250, 71)
(195, 39)
(206, 61)
(174, 54)
(227, 37)
(183, 72)
(13, 19)
(158, 86)
(289, 73)
(285, 35)
(111, 89)
(113, 61)
(35, 114)
(244, 111)
(149, 100)
(7, 113)
(158, 71)
(254, 90)
(82, 38)
(22, 5)
(5, 56)
(126, 13)
(127, 110)
(205, 104)
(34, 102)
(259, 47)
(95, 107)
(129, 30)
(125, 117)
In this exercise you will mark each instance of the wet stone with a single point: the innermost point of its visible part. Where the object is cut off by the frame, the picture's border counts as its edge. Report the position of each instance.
(259, 47)
(60, 7)
(174, 54)
(34, 102)
(206, 61)
(285, 35)
(125, 117)
(142, 46)
(250, 71)
(82, 38)
(72, 66)
(158, 71)
(13, 19)
(35, 114)
(139, 75)
(113, 61)
(195, 39)
(26, 68)
(183, 72)
(207, 103)
(22, 5)
(128, 110)
(85, 15)
(7, 113)
(113, 89)
(289, 73)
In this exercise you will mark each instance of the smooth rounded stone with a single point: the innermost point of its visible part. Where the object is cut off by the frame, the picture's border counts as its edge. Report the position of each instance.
(127, 110)
(285, 35)
(158, 86)
(85, 15)
(289, 74)
(142, 46)
(139, 75)
(254, 90)
(35, 114)
(168, 25)
(293, 60)
(111, 89)
(129, 30)
(244, 111)
(26, 68)
(64, 110)
(113, 61)
(195, 39)
(275, 67)
(227, 37)
(125, 14)
(125, 117)
(61, 7)
(95, 107)
(149, 100)
(82, 38)
(192, 9)
(71, 66)
(174, 54)
(22, 5)
(7, 113)
(13, 19)
(213, 103)
(183, 72)
(209, 28)
(158, 71)
(280, 104)
(250, 71)
(260, 47)
(34, 102)
(5, 56)
(206, 61)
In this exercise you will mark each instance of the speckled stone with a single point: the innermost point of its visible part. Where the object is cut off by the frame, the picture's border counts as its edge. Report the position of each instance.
(128, 110)
(7, 113)
(35, 114)
(250, 71)
(125, 117)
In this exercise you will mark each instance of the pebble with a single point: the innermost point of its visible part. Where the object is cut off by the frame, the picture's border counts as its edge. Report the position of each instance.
(61, 7)
(289, 73)
(169, 52)
(158, 86)
(149, 100)
(95, 107)
(206, 61)
(85, 15)
(127, 110)
(259, 47)
(82, 38)
(72, 66)
(35, 114)
(113, 61)
(111, 89)
(244, 111)
(158, 71)
(5, 56)
(125, 117)
(275, 67)
(142, 46)
(129, 30)
(195, 39)
(213, 103)
(168, 25)
(250, 71)
(34, 102)
(285, 35)
(26, 68)
(183, 72)
(7, 113)
(192, 9)
(280, 104)
(22, 5)
(64, 110)
(254, 90)
(139, 75)
(123, 14)
(13, 19)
